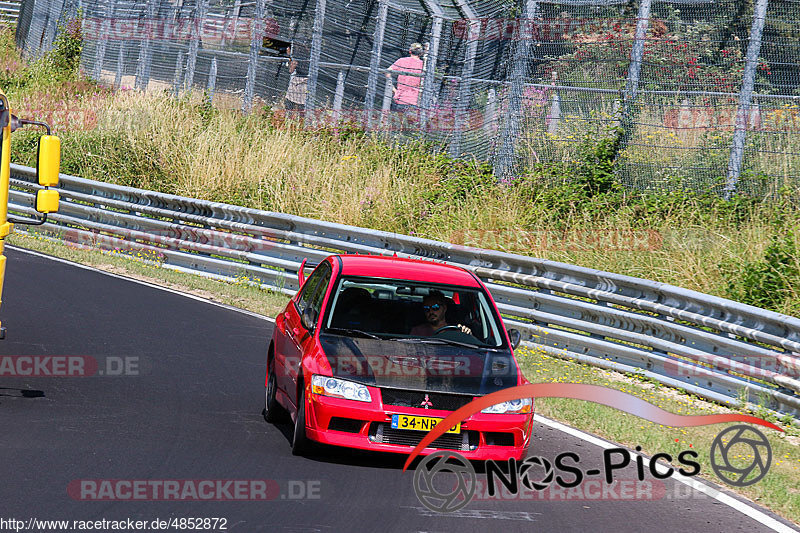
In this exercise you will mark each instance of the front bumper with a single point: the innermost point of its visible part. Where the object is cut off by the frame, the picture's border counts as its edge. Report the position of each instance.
(367, 426)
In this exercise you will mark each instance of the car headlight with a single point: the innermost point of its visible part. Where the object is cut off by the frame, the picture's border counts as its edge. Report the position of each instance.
(510, 407)
(339, 388)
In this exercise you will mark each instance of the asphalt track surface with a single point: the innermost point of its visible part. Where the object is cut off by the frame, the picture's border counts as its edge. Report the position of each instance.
(194, 412)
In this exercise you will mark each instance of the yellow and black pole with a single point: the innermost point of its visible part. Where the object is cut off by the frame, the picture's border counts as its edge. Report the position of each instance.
(5, 174)
(47, 169)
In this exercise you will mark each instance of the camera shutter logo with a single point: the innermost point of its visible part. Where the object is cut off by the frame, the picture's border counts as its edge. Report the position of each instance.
(721, 455)
(524, 473)
(459, 496)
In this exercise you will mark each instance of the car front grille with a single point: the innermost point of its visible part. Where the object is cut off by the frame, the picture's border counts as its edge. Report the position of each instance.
(381, 433)
(420, 399)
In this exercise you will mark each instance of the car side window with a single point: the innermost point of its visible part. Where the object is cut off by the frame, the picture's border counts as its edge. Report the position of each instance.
(314, 289)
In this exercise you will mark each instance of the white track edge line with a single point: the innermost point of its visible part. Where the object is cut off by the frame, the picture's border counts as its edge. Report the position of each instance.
(140, 282)
(741, 506)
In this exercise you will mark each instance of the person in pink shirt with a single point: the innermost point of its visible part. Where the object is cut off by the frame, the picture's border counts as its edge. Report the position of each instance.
(406, 94)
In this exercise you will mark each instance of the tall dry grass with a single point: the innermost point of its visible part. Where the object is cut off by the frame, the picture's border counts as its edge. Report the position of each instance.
(184, 147)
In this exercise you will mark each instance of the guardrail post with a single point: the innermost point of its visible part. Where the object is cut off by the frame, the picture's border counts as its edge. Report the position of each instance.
(313, 64)
(634, 70)
(506, 159)
(745, 97)
(194, 44)
(252, 63)
(375, 60)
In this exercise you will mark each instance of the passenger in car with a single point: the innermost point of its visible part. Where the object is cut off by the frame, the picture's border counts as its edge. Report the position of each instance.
(435, 308)
(354, 310)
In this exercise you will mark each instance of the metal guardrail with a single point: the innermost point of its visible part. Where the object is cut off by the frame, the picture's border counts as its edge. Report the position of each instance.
(712, 347)
(9, 11)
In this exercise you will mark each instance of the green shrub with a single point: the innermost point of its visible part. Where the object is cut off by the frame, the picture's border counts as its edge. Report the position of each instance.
(771, 281)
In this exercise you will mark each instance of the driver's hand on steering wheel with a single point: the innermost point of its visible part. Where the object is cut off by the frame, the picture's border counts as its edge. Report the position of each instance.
(465, 329)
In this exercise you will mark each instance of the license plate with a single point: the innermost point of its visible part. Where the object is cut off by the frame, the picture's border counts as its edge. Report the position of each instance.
(419, 423)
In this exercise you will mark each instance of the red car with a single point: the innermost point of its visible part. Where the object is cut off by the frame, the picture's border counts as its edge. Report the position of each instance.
(373, 351)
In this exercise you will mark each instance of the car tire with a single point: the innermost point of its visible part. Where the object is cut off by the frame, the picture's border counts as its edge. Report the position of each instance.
(273, 411)
(301, 444)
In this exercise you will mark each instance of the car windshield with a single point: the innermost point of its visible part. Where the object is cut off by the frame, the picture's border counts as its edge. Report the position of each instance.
(413, 312)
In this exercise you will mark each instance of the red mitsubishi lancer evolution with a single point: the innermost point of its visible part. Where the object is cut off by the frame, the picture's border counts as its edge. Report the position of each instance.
(373, 352)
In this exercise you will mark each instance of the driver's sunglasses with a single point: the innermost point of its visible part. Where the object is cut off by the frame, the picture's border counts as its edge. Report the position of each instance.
(434, 307)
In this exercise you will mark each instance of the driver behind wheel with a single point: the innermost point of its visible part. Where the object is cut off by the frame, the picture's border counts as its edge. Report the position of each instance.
(435, 308)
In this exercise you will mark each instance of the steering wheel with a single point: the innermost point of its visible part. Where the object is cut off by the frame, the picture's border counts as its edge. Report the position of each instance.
(445, 328)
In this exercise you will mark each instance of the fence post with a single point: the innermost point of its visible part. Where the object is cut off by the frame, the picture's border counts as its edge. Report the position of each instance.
(212, 81)
(431, 57)
(745, 97)
(634, 70)
(252, 64)
(237, 10)
(504, 167)
(176, 81)
(338, 97)
(375, 60)
(555, 113)
(194, 44)
(120, 65)
(465, 82)
(54, 10)
(313, 64)
(386, 107)
(34, 38)
(100, 50)
(145, 55)
(490, 114)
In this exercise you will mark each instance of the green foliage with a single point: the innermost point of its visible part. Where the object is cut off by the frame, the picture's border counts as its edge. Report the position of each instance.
(57, 66)
(66, 53)
(770, 281)
(101, 155)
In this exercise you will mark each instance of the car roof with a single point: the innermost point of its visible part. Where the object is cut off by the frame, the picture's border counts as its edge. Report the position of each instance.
(378, 266)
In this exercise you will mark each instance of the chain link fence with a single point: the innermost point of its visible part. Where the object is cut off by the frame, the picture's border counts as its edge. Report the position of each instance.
(688, 94)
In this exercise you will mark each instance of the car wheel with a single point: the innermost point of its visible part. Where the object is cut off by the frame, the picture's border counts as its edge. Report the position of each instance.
(301, 444)
(273, 411)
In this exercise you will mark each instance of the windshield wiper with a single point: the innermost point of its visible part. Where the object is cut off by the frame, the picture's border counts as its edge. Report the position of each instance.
(439, 340)
(348, 331)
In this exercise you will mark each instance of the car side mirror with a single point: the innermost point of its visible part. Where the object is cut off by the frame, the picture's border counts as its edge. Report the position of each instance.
(515, 336)
(309, 319)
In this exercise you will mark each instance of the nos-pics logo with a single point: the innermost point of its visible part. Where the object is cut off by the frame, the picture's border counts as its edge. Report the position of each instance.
(445, 481)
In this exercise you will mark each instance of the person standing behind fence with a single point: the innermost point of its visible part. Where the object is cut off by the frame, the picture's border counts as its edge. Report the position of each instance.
(295, 99)
(406, 94)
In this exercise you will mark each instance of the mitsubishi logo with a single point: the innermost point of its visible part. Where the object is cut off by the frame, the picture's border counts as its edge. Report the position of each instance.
(426, 403)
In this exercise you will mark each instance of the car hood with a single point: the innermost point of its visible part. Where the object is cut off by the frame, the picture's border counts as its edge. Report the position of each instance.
(419, 365)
